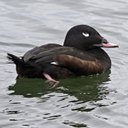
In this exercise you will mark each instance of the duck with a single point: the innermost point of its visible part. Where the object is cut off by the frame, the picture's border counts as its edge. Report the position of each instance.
(81, 54)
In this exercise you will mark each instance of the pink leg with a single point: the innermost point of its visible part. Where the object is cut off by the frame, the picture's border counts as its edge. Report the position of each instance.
(51, 81)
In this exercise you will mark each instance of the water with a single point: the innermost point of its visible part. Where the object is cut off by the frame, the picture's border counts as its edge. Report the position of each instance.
(92, 102)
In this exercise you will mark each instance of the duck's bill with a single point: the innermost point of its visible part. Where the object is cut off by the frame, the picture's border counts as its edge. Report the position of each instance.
(107, 45)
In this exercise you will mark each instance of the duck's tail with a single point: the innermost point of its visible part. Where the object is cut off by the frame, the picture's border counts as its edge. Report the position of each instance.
(16, 60)
(25, 69)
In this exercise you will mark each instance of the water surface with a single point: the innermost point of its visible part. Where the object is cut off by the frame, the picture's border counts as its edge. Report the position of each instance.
(93, 102)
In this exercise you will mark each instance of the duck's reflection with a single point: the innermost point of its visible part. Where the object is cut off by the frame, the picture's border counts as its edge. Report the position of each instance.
(29, 87)
(89, 88)
(83, 88)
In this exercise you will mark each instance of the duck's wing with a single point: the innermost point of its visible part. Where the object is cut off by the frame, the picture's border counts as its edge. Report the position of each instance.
(37, 51)
(72, 59)
(50, 55)
(79, 65)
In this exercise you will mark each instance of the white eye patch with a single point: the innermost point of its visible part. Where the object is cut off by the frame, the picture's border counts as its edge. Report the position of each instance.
(85, 34)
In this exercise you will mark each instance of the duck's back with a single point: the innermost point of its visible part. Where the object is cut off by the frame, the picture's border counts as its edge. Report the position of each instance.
(39, 50)
(48, 53)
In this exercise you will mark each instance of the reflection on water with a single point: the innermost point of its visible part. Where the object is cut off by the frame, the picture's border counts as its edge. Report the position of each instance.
(62, 104)
(28, 87)
(83, 88)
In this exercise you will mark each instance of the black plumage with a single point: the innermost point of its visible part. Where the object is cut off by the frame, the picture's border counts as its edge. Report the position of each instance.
(81, 54)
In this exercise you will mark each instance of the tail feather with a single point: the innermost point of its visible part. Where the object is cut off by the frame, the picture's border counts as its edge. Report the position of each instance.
(25, 69)
(15, 59)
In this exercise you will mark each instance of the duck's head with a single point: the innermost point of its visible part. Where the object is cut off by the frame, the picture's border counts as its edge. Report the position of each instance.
(85, 37)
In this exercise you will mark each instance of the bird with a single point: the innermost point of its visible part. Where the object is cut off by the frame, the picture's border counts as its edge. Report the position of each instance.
(80, 54)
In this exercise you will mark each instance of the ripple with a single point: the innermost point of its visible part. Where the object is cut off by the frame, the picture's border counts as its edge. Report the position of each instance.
(15, 45)
(77, 125)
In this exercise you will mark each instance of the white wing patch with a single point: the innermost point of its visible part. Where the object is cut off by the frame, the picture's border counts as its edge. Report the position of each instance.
(54, 63)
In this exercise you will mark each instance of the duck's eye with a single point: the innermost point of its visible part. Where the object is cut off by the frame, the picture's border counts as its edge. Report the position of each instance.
(85, 34)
